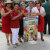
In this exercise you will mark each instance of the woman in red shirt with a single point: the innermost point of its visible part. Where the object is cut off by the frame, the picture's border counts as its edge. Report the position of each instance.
(15, 25)
(6, 21)
(40, 12)
(25, 13)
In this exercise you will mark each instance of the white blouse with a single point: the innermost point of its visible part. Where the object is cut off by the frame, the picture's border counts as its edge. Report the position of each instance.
(42, 10)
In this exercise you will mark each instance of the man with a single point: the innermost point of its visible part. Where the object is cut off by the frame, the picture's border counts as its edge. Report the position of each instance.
(46, 5)
(29, 8)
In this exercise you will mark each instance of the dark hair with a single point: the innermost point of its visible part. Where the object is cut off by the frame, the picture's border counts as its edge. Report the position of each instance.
(9, 3)
(31, 2)
(38, 2)
(17, 4)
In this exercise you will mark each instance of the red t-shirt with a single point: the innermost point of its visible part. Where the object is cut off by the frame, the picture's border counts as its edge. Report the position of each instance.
(14, 23)
(25, 11)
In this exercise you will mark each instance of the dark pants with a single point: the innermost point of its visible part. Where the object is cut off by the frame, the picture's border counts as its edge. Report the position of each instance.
(21, 29)
(0, 16)
(47, 21)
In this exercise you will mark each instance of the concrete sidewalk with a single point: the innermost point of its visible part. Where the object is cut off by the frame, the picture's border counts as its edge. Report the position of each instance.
(37, 45)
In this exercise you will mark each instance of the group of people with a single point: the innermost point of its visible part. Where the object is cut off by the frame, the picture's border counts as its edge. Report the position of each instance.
(12, 19)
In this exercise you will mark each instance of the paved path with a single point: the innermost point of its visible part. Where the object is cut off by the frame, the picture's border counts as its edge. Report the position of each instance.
(38, 45)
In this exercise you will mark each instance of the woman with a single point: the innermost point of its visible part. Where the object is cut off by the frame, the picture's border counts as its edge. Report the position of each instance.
(25, 13)
(39, 11)
(14, 16)
(6, 21)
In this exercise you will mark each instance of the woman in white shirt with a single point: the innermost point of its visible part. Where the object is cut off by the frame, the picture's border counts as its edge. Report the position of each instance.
(40, 12)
